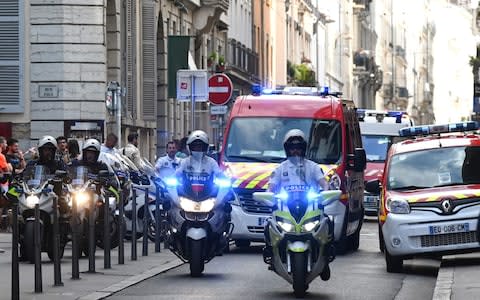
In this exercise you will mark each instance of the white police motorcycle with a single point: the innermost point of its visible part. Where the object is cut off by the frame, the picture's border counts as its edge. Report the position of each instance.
(199, 218)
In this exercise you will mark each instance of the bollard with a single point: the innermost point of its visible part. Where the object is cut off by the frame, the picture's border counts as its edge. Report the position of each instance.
(134, 224)
(38, 250)
(121, 233)
(146, 218)
(106, 233)
(57, 273)
(157, 220)
(91, 236)
(75, 242)
(15, 270)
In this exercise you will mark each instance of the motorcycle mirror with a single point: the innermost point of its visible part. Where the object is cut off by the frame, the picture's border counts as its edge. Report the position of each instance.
(265, 197)
(330, 196)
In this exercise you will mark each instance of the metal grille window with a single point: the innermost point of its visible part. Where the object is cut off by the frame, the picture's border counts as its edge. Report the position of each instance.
(11, 64)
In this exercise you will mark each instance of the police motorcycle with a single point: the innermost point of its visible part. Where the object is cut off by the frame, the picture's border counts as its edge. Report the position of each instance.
(198, 217)
(300, 233)
(36, 187)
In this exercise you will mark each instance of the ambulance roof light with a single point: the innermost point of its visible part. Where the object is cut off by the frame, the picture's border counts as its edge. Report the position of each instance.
(437, 129)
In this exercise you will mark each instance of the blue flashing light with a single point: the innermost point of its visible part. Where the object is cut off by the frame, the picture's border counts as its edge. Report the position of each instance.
(171, 182)
(223, 182)
(256, 89)
(324, 90)
(283, 195)
(437, 129)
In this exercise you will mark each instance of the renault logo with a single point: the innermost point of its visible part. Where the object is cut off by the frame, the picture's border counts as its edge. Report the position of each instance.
(447, 206)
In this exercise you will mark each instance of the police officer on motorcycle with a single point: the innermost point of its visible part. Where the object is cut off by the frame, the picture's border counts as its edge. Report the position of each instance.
(47, 146)
(295, 170)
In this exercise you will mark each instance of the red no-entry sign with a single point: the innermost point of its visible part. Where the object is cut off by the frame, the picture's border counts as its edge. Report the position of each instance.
(220, 89)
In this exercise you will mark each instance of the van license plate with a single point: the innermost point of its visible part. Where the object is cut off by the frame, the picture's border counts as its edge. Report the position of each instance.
(262, 221)
(449, 228)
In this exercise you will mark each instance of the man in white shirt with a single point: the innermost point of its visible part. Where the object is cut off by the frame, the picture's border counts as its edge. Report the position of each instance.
(110, 143)
(166, 165)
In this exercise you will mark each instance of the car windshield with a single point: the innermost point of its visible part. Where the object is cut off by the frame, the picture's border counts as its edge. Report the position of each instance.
(434, 167)
(376, 147)
(261, 139)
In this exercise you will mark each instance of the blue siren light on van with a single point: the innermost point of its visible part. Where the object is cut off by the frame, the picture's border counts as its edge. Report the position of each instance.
(437, 129)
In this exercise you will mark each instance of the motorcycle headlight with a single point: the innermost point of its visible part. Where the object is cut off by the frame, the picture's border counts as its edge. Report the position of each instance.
(398, 206)
(285, 226)
(192, 206)
(81, 198)
(310, 225)
(32, 200)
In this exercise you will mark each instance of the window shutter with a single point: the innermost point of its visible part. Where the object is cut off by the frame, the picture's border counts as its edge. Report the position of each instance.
(10, 52)
(131, 33)
(149, 60)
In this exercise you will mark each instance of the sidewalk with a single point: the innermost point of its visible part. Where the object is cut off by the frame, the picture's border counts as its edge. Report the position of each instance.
(90, 286)
(458, 278)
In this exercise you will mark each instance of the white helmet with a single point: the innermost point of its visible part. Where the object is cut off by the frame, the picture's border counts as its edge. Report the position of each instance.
(295, 138)
(47, 141)
(198, 135)
(91, 145)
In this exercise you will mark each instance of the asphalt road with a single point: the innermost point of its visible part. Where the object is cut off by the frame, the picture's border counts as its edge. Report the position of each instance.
(242, 274)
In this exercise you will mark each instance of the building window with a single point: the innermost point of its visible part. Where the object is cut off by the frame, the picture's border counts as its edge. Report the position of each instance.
(11, 56)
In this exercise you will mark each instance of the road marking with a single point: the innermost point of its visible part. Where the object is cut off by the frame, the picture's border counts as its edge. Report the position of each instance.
(443, 286)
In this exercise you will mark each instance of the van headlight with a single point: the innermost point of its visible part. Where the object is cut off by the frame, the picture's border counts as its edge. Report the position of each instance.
(192, 206)
(32, 200)
(398, 206)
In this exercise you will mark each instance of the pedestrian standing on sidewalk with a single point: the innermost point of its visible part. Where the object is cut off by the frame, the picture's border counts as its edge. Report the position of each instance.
(14, 156)
(131, 151)
(110, 143)
(166, 165)
(62, 150)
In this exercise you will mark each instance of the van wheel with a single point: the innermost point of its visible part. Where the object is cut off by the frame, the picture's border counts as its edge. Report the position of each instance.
(381, 241)
(354, 240)
(341, 246)
(394, 263)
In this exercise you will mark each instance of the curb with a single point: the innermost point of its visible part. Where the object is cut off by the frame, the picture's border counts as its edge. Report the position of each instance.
(443, 286)
(108, 291)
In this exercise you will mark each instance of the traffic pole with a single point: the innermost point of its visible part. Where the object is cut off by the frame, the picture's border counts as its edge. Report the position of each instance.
(134, 225)
(157, 219)
(91, 236)
(121, 229)
(15, 271)
(57, 273)
(37, 248)
(146, 217)
(106, 233)
(75, 242)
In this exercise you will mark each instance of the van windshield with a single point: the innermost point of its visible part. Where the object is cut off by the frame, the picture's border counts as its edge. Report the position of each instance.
(256, 139)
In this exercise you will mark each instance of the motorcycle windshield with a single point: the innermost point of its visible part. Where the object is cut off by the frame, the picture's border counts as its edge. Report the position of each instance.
(127, 162)
(79, 175)
(297, 201)
(197, 186)
(35, 176)
(146, 167)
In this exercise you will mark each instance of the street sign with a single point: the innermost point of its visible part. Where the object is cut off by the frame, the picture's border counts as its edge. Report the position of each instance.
(220, 89)
(218, 109)
(192, 83)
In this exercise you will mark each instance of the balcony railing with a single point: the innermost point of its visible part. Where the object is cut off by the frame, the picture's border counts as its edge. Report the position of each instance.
(243, 60)
(223, 4)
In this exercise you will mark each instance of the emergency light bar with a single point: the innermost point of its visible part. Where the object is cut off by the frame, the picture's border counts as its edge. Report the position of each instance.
(258, 90)
(437, 129)
(372, 115)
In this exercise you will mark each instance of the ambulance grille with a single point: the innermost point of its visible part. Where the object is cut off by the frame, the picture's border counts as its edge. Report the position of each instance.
(256, 229)
(448, 239)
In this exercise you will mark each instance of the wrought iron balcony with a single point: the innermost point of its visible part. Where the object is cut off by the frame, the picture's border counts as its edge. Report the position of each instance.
(242, 60)
(223, 4)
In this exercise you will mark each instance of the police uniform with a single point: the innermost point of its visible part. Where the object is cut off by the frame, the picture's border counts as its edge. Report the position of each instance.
(306, 172)
(166, 166)
(205, 165)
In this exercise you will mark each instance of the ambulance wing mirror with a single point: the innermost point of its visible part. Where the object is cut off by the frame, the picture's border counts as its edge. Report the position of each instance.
(373, 186)
(358, 160)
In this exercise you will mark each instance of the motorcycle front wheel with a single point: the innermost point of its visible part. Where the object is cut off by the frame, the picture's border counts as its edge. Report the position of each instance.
(197, 263)
(299, 274)
(28, 242)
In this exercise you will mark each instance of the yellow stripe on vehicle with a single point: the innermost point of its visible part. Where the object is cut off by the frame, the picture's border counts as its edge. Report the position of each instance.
(257, 179)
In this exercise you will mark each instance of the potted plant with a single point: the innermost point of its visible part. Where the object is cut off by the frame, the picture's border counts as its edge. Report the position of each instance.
(221, 63)
(211, 59)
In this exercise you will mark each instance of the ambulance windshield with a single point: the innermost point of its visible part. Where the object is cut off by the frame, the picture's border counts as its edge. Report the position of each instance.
(260, 139)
